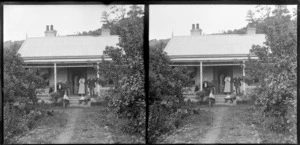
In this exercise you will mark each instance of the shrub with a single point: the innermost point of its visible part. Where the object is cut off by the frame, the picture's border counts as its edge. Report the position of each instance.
(18, 121)
(166, 87)
(276, 69)
(20, 99)
(55, 96)
(163, 117)
(200, 95)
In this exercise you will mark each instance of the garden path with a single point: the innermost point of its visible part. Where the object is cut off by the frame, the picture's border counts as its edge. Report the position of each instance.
(66, 135)
(213, 134)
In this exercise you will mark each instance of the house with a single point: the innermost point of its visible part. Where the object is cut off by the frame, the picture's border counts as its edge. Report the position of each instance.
(66, 58)
(210, 56)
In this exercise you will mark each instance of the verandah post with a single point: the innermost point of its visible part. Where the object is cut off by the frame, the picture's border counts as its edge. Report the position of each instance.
(201, 72)
(244, 84)
(55, 78)
(98, 76)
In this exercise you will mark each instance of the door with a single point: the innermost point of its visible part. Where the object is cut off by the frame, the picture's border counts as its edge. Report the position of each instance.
(75, 74)
(220, 72)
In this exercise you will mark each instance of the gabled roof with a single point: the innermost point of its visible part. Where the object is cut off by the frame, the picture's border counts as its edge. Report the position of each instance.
(47, 48)
(212, 45)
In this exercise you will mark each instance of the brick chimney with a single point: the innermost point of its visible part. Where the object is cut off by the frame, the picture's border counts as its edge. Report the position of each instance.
(196, 31)
(50, 32)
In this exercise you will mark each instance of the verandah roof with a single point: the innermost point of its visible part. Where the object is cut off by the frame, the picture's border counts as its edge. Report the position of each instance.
(56, 49)
(212, 47)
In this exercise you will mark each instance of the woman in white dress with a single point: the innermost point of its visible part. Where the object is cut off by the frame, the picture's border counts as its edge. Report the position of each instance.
(227, 88)
(81, 90)
(227, 84)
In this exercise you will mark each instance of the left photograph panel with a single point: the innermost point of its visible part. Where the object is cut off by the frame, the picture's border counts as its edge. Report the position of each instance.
(73, 74)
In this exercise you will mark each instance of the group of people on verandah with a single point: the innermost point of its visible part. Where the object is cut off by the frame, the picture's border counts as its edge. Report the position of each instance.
(85, 95)
(225, 88)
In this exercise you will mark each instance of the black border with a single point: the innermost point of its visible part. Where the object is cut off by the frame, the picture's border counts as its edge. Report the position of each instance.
(146, 4)
(146, 66)
(1, 77)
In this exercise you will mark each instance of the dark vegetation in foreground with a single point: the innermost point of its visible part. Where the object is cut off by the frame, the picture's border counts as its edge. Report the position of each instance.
(242, 124)
(192, 127)
(95, 125)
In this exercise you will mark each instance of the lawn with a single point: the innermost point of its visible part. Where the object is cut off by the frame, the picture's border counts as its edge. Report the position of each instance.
(193, 127)
(236, 126)
(98, 125)
(94, 125)
(46, 130)
(241, 126)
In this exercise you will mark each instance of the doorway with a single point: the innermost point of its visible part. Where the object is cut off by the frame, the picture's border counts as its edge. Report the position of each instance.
(220, 72)
(74, 76)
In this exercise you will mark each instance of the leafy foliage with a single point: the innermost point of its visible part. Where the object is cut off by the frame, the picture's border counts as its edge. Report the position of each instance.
(167, 84)
(20, 91)
(276, 69)
(127, 69)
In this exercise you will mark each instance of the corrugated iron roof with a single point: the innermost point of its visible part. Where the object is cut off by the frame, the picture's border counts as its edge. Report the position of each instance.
(213, 44)
(67, 46)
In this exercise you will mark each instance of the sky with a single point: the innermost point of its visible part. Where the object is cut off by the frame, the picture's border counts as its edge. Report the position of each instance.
(165, 19)
(20, 20)
(31, 20)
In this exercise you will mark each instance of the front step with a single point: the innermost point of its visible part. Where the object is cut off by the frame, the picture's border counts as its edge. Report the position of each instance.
(74, 102)
(220, 101)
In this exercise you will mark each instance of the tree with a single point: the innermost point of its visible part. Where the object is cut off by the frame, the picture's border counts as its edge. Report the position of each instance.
(127, 69)
(276, 69)
(20, 98)
(166, 88)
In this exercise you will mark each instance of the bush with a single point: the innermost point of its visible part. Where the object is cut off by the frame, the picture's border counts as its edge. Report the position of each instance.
(200, 95)
(18, 121)
(163, 117)
(276, 69)
(166, 87)
(127, 99)
(55, 96)
(20, 98)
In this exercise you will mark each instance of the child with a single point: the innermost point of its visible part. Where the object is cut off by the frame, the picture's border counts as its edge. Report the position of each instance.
(81, 99)
(228, 98)
(84, 99)
(66, 99)
(211, 98)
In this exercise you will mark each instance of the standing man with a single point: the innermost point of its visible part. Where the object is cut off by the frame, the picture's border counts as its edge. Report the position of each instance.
(91, 86)
(238, 86)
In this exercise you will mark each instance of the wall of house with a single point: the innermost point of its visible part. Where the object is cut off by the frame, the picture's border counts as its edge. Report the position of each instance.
(91, 72)
(44, 70)
(62, 75)
(207, 74)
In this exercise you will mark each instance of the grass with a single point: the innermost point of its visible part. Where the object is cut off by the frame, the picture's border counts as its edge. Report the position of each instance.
(94, 125)
(97, 125)
(46, 130)
(236, 126)
(114, 126)
(241, 126)
(193, 128)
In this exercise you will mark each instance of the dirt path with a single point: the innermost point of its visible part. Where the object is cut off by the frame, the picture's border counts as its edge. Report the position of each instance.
(213, 134)
(66, 135)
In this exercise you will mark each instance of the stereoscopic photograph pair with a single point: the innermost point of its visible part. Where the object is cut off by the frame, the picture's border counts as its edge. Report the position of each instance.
(149, 73)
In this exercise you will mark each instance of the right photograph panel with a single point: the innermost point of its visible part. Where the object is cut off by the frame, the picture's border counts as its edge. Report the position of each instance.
(222, 74)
